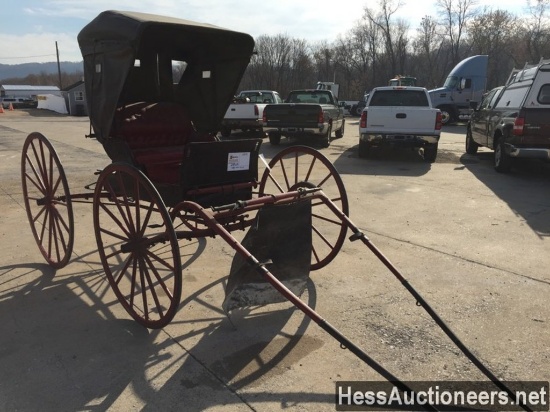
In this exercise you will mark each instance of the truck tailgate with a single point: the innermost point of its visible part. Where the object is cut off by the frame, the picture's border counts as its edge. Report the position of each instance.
(536, 131)
(400, 120)
(299, 115)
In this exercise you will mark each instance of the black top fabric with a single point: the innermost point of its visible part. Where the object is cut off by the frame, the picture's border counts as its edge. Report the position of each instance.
(114, 41)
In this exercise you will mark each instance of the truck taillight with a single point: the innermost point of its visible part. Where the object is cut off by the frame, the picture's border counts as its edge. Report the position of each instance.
(438, 118)
(321, 118)
(363, 121)
(256, 111)
(518, 126)
(264, 116)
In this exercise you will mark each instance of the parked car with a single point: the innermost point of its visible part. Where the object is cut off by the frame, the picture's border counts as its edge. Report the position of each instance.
(400, 116)
(513, 119)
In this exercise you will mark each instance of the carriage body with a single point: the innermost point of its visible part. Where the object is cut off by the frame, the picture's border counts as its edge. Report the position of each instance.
(157, 89)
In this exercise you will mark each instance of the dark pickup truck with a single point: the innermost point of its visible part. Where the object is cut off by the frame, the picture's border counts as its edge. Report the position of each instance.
(305, 113)
(513, 119)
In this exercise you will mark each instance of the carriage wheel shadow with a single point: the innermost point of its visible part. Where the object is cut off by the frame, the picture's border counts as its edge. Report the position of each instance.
(66, 341)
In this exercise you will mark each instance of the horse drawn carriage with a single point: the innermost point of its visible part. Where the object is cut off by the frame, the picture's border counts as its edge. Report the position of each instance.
(157, 89)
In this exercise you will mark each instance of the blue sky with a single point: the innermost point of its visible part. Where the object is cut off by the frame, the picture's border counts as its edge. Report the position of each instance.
(30, 28)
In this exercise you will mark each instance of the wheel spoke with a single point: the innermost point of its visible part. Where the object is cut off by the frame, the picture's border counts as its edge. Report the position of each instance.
(151, 286)
(310, 169)
(115, 219)
(322, 237)
(58, 221)
(122, 271)
(161, 261)
(38, 183)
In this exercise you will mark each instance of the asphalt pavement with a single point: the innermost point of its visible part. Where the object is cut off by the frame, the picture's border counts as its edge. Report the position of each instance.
(472, 242)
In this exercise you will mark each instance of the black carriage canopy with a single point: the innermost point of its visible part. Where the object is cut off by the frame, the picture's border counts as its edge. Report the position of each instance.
(137, 57)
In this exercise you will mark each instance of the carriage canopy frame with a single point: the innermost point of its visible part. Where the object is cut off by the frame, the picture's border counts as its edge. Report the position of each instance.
(134, 57)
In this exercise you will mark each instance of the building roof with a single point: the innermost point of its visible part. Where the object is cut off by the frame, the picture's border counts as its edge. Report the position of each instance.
(9, 87)
(72, 86)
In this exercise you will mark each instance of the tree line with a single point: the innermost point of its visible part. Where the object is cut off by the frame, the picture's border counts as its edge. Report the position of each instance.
(380, 46)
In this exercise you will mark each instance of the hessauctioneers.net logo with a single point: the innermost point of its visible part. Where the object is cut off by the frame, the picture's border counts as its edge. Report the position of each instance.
(442, 396)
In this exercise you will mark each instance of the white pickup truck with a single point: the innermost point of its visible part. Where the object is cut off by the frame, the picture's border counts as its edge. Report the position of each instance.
(400, 116)
(247, 110)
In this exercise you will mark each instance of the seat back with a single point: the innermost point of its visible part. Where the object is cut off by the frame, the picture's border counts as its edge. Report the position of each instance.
(211, 171)
(152, 136)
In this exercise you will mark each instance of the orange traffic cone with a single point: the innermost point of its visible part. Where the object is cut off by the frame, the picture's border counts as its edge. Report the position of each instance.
(11, 107)
(1, 108)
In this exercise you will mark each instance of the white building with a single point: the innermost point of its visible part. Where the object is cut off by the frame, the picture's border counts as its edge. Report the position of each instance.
(27, 91)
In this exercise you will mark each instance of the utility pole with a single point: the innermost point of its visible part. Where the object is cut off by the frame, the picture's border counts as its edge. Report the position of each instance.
(58, 66)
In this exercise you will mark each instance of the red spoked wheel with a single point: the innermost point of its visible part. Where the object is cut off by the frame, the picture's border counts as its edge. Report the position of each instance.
(137, 245)
(302, 166)
(47, 200)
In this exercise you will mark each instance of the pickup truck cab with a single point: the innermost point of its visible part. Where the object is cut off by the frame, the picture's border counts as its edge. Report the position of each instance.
(512, 120)
(246, 111)
(400, 116)
(305, 113)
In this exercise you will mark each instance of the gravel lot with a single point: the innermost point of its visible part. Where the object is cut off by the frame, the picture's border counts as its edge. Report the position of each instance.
(474, 244)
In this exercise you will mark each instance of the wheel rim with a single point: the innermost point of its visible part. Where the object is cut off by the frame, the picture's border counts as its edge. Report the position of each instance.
(47, 200)
(301, 166)
(137, 245)
(445, 116)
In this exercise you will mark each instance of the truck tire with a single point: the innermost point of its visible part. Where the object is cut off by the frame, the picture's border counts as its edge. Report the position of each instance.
(503, 162)
(447, 115)
(364, 148)
(340, 132)
(357, 110)
(274, 138)
(430, 152)
(471, 146)
(325, 142)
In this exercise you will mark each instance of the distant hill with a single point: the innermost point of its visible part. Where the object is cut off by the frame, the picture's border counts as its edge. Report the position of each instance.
(11, 71)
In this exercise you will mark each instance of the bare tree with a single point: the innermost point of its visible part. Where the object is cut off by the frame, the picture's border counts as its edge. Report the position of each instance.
(382, 19)
(491, 33)
(456, 15)
(427, 46)
(538, 29)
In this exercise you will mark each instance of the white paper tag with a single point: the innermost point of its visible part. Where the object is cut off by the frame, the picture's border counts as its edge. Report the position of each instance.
(238, 161)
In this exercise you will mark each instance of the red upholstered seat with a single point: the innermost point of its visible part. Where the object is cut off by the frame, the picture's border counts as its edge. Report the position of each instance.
(156, 135)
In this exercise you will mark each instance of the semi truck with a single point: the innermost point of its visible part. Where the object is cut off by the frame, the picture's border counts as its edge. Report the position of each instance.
(463, 87)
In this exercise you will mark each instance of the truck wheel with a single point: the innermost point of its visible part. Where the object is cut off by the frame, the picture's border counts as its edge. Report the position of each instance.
(447, 115)
(503, 162)
(471, 146)
(357, 110)
(274, 138)
(364, 148)
(225, 132)
(326, 137)
(340, 132)
(430, 152)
